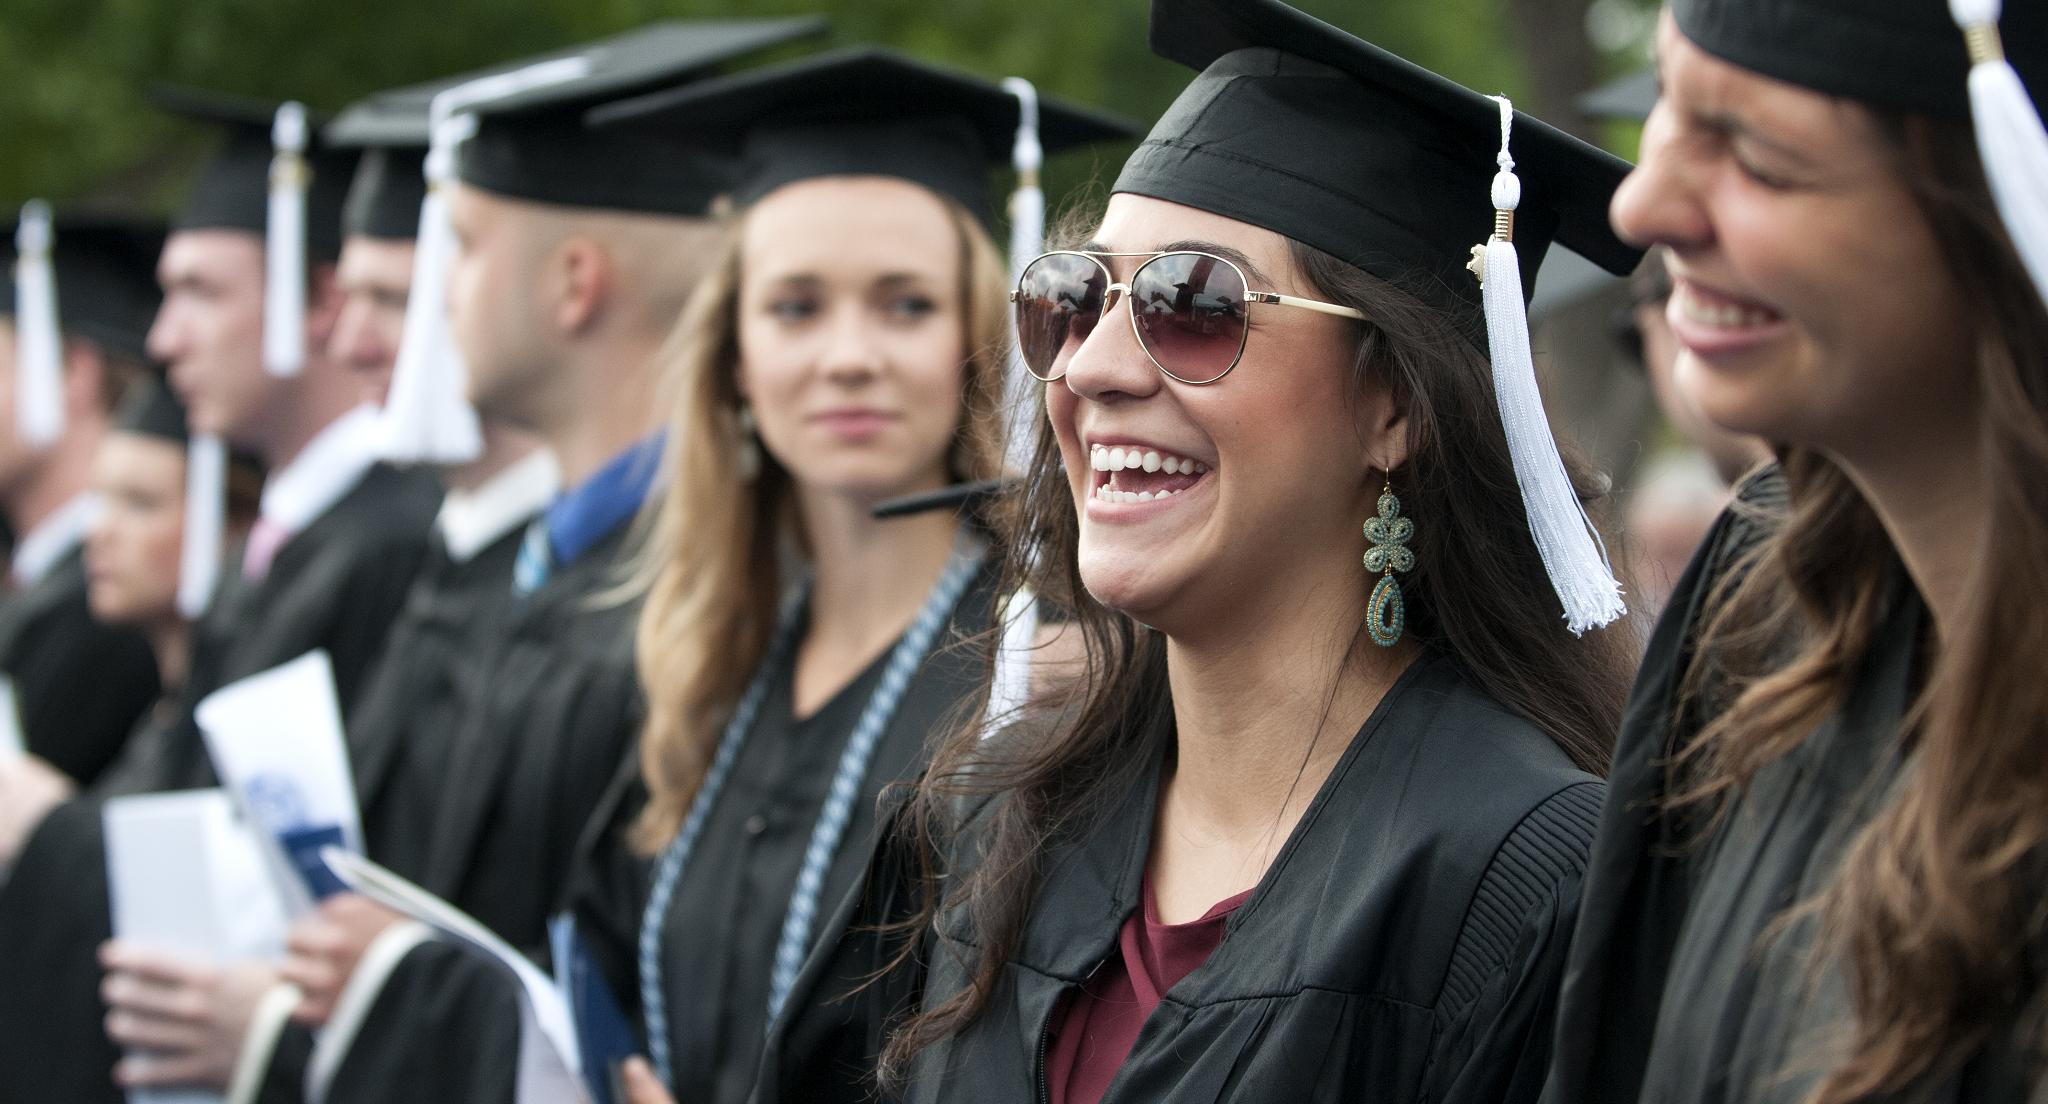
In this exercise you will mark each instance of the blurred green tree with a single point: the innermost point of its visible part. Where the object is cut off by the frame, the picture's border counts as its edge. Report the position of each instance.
(74, 124)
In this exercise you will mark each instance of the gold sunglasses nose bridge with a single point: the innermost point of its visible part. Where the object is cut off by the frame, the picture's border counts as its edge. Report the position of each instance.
(1111, 293)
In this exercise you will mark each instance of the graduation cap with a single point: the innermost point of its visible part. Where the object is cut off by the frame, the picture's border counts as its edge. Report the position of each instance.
(384, 198)
(426, 416)
(1944, 57)
(1316, 134)
(90, 274)
(391, 180)
(274, 178)
(528, 140)
(863, 111)
(152, 410)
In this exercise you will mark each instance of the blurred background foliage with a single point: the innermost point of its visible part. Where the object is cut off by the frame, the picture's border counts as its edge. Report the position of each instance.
(75, 127)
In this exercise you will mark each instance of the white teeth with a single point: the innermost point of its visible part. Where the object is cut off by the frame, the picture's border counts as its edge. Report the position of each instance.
(1104, 459)
(1723, 315)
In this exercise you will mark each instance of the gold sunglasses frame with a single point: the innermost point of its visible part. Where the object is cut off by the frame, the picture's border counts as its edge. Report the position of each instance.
(1122, 290)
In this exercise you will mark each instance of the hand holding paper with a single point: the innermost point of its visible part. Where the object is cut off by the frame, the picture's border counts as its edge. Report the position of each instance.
(185, 881)
(276, 739)
(548, 1059)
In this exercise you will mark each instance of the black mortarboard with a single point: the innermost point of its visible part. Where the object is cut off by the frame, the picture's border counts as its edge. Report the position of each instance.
(531, 143)
(1903, 54)
(863, 111)
(233, 189)
(1316, 134)
(151, 409)
(384, 198)
(105, 270)
(1627, 98)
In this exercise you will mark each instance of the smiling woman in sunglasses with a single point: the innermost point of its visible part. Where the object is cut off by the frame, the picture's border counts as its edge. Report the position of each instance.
(1309, 828)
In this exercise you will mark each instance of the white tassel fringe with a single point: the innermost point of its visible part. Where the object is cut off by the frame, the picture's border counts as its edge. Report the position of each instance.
(2009, 137)
(284, 245)
(1572, 551)
(39, 348)
(206, 495)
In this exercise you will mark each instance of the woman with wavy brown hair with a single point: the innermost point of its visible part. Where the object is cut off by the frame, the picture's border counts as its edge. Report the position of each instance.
(848, 348)
(1308, 825)
(1821, 874)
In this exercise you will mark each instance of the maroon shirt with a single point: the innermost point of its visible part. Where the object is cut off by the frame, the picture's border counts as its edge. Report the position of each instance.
(1097, 1026)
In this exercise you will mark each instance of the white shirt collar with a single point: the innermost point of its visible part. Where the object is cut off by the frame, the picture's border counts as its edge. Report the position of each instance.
(470, 521)
(52, 540)
(330, 465)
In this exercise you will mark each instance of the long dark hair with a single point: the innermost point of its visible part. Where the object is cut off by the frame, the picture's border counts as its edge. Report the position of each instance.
(1936, 910)
(1478, 594)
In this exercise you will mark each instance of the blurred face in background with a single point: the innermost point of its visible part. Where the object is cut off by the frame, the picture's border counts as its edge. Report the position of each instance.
(375, 278)
(132, 550)
(496, 303)
(210, 331)
(852, 333)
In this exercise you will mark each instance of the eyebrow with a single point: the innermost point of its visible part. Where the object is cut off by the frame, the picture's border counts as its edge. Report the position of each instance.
(1192, 245)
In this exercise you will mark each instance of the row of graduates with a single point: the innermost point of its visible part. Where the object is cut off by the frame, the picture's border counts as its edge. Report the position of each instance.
(1129, 783)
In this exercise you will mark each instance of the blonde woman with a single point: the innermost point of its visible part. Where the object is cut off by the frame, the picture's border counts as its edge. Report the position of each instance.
(846, 348)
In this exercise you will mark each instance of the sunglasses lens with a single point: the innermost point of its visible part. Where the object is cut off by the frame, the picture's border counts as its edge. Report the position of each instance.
(1059, 300)
(1190, 311)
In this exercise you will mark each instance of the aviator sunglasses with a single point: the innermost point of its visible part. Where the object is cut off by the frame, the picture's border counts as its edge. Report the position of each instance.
(1187, 309)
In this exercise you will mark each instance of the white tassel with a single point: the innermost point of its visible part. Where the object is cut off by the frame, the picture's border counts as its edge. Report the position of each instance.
(1010, 684)
(428, 419)
(39, 350)
(284, 237)
(1010, 681)
(1572, 551)
(2010, 137)
(206, 498)
(1027, 240)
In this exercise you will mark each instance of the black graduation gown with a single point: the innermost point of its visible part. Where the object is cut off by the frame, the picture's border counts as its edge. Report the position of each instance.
(79, 685)
(720, 934)
(561, 708)
(336, 585)
(1405, 944)
(1672, 994)
(560, 711)
(415, 701)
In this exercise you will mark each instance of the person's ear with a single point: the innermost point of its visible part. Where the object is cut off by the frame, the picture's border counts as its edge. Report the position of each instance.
(587, 276)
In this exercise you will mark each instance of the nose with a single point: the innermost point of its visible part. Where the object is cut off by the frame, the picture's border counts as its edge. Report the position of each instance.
(356, 341)
(1110, 363)
(1660, 201)
(166, 338)
(851, 353)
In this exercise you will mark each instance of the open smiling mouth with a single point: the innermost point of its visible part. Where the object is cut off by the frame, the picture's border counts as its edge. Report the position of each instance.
(1141, 475)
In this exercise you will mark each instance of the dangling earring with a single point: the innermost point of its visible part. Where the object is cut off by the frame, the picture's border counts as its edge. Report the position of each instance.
(749, 460)
(1386, 617)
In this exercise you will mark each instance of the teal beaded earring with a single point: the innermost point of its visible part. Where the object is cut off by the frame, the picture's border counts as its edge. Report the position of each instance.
(1386, 617)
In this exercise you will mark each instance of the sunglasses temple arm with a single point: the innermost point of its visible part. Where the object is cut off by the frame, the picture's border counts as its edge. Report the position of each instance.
(1312, 304)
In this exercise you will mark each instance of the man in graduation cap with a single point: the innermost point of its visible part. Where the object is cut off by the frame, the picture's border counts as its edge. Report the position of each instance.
(249, 314)
(574, 252)
(72, 325)
(249, 308)
(394, 333)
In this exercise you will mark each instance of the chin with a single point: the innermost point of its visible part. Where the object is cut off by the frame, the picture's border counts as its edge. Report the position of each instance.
(1751, 400)
(1124, 587)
